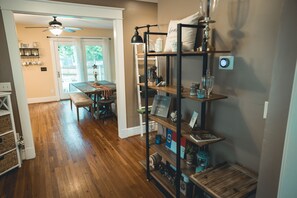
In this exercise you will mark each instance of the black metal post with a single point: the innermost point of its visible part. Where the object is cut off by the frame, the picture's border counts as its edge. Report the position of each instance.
(167, 70)
(178, 107)
(148, 176)
(203, 104)
(208, 10)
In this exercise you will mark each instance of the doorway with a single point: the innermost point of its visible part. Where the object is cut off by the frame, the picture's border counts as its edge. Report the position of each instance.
(58, 8)
(75, 60)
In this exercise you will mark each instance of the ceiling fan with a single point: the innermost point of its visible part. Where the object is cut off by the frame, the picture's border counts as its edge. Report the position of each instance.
(56, 28)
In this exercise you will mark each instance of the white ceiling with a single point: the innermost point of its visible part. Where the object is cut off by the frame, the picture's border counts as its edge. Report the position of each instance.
(67, 21)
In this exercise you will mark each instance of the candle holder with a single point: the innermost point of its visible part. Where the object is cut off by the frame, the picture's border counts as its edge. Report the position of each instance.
(205, 7)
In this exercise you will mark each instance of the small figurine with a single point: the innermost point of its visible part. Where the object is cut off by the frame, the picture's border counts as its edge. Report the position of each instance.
(152, 73)
(95, 72)
(173, 116)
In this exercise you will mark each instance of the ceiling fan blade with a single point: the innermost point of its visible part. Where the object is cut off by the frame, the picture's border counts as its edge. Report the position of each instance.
(68, 30)
(73, 28)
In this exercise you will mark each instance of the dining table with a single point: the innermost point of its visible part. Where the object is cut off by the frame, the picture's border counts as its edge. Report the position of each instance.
(100, 90)
(100, 87)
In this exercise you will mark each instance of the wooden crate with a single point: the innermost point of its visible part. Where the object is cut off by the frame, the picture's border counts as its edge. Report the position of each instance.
(8, 161)
(7, 142)
(226, 181)
(5, 124)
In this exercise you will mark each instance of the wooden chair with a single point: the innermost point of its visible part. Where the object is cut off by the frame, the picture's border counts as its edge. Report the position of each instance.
(104, 107)
(81, 100)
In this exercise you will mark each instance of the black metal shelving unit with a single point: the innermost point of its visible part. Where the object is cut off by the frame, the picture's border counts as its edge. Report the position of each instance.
(179, 96)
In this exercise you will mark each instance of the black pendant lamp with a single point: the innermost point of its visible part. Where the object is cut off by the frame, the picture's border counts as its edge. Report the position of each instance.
(136, 38)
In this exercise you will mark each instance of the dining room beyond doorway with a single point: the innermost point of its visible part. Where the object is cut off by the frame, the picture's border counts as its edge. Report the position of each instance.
(67, 58)
(80, 60)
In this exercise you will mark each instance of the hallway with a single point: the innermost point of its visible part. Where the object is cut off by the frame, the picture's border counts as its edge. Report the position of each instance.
(85, 159)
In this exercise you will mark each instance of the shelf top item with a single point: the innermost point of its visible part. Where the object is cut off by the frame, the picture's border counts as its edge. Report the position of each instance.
(189, 35)
(161, 105)
(226, 180)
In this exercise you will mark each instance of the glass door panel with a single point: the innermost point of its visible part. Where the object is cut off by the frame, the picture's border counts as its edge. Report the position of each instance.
(96, 51)
(93, 54)
(68, 67)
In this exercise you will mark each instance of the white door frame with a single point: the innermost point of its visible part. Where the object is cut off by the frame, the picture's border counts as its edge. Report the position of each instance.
(287, 178)
(58, 8)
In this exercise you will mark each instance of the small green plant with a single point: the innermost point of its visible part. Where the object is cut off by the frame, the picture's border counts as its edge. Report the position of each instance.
(191, 149)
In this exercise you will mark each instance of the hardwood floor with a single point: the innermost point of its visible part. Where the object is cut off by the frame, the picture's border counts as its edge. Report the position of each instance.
(85, 159)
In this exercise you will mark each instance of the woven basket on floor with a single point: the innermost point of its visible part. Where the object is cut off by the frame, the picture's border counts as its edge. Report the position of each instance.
(8, 160)
(7, 142)
(5, 124)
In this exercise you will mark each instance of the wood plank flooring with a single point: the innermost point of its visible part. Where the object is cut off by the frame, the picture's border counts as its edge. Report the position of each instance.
(85, 159)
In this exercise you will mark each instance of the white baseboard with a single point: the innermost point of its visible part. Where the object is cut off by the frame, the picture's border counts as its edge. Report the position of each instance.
(125, 133)
(30, 153)
(41, 100)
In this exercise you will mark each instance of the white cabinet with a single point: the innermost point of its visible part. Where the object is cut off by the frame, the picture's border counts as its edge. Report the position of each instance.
(9, 152)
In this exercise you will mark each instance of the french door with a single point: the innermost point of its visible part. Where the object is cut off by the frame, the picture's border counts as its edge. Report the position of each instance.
(74, 60)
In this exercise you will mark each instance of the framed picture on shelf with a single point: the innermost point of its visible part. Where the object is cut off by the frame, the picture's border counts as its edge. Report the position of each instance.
(193, 119)
(161, 106)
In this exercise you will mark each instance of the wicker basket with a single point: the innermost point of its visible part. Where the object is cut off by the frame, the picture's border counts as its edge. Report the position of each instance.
(8, 160)
(5, 124)
(7, 142)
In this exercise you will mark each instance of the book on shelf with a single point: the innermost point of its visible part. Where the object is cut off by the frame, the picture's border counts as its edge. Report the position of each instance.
(204, 137)
(161, 106)
(171, 139)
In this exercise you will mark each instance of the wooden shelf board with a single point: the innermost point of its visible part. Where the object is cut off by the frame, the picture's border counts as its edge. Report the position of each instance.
(185, 93)
(169, 156)
(161, 179)
(28, 48)
(226, 180)
(185, 128)
(213, 96)
(30, 56)
(200, 144)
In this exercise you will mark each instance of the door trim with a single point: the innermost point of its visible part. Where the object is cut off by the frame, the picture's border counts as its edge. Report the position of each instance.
(52, 8)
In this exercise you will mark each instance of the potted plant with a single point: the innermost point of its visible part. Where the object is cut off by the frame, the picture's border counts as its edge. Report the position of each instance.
(191, 151)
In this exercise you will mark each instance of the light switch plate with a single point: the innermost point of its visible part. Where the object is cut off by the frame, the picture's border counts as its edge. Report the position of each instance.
(226, 62)
(265, 109)
(5, 86)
